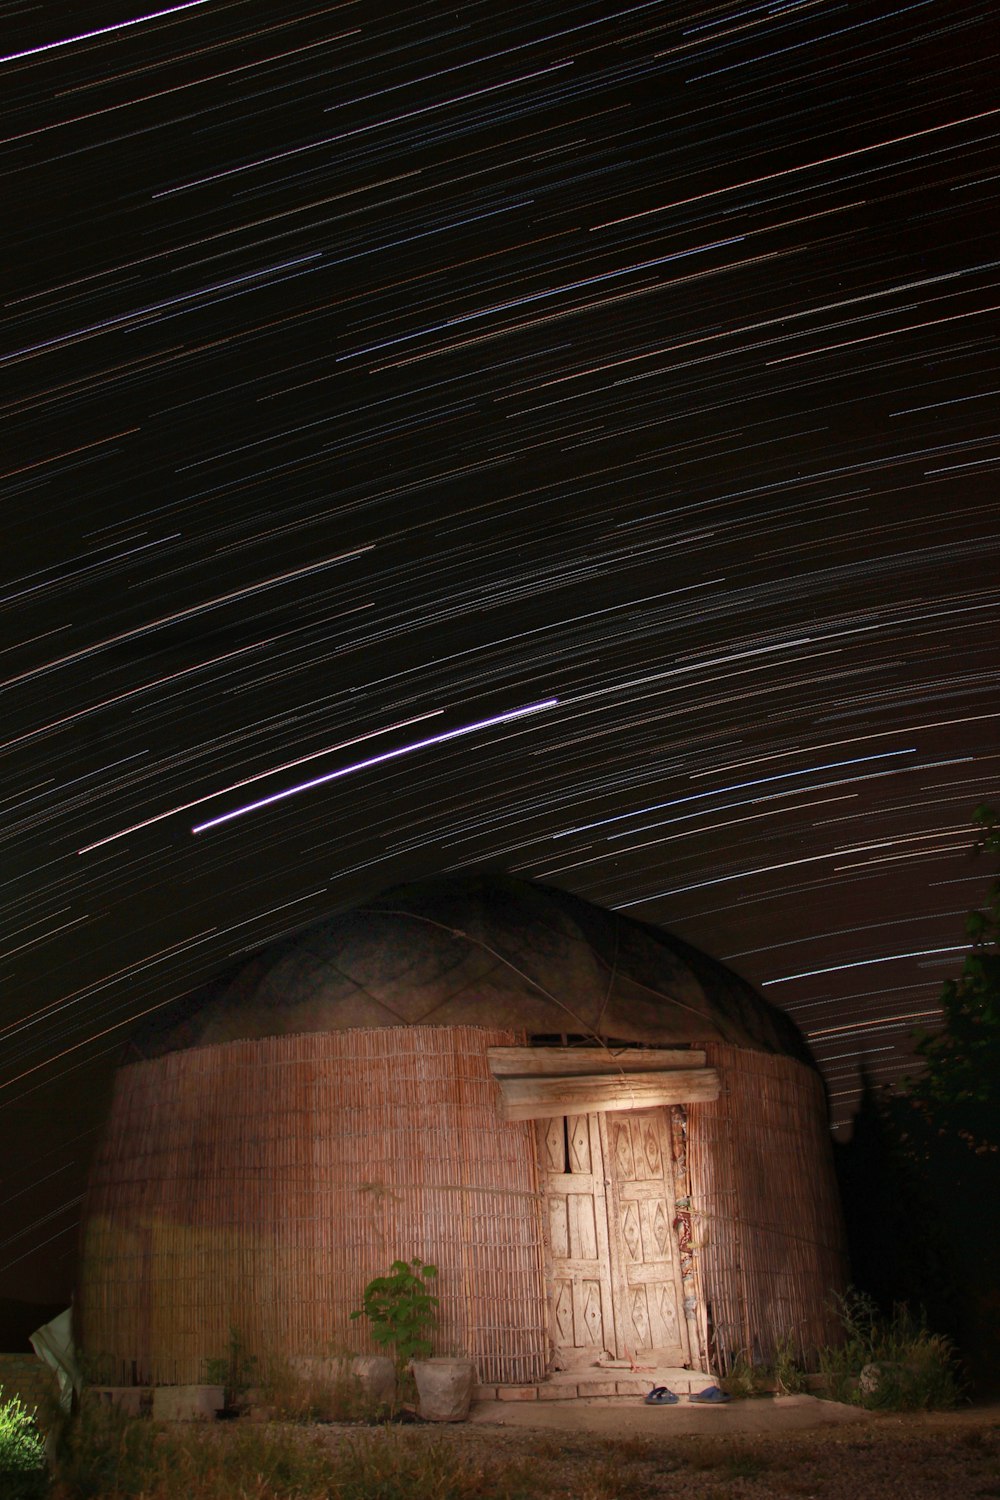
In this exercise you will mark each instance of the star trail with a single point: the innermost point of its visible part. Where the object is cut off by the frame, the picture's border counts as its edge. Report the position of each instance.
(569, 430)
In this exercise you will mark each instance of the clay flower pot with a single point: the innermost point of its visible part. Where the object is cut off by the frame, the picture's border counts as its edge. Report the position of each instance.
(444, 1388)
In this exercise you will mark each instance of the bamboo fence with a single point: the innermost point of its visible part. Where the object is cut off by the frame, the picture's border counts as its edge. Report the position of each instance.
(257, 1186)
(767, 1233)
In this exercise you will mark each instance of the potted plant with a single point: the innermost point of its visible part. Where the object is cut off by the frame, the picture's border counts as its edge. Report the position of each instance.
(401, 1310)
(445, 1385)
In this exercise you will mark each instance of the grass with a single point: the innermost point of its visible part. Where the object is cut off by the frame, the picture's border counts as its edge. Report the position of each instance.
(103, 1455)
(744, 1379)
(106, 1456)
(293, 1397)
(907, 1368)
(789, 1373)
(784, 1375)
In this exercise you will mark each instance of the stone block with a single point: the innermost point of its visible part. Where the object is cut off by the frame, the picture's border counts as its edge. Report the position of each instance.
(188, 1403)
(557, 1393)
(596, 1388)
(133, 1400)
(484, 1393)
(633, 1387)
(517, 1393)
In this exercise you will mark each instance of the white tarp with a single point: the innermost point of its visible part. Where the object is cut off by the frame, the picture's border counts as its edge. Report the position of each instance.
(53, 1343)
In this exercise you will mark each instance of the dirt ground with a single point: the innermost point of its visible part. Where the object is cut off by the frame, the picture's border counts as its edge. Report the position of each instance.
(763, 1415)
(749, 1450)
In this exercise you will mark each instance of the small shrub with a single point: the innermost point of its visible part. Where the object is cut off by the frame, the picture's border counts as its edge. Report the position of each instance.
(907, 1367)
(789, 1376)
(744, 1379)
(235, 1371)
(401, 1310)
(22, 1452)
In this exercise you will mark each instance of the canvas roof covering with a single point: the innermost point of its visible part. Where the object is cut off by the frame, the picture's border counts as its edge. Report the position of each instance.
(479, 949)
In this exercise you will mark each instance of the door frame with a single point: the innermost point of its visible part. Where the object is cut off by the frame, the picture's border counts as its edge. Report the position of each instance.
(621, 1260)
(610, 1266)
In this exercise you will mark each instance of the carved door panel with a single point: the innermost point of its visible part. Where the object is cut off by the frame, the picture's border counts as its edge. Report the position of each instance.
(582, 1319)
(645, 1268)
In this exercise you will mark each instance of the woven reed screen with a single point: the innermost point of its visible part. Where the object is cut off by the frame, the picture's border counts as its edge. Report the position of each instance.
(766, 1219)
(258, 1185)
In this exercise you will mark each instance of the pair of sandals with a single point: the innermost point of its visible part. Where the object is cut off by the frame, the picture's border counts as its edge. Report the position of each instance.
(710, 1396)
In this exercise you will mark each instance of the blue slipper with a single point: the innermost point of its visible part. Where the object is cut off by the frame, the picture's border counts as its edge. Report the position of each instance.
(660, 1396)
(710, 1396)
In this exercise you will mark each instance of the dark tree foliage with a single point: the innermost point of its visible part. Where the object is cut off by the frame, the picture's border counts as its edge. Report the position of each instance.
(921, 1175)
(958, 1092)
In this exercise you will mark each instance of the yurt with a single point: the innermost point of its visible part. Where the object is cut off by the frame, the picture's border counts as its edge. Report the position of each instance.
(613, 1149)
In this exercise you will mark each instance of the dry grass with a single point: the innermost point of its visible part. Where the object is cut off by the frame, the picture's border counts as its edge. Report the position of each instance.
(292, 1397)
(106, 1457)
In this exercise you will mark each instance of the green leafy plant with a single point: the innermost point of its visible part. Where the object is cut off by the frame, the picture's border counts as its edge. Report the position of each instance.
(236, 1371)
(401, 1310)
(22, 1452)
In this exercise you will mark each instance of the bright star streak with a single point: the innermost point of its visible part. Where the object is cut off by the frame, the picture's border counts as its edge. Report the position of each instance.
(85, 36)
(862, 963)
(260, 775)
(880, 1021)
(377, 760)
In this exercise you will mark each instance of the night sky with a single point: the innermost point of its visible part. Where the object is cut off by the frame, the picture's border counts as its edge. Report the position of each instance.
(551, 437)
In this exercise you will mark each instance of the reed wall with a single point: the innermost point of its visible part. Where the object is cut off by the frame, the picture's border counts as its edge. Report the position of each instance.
(767, 1231)
(259, 1185)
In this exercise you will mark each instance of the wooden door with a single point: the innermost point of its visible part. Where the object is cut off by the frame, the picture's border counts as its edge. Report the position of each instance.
(572, 1169)
(648, 1294)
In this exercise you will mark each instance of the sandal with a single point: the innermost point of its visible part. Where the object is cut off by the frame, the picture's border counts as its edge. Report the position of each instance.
(660, 1396)
(710, 1396)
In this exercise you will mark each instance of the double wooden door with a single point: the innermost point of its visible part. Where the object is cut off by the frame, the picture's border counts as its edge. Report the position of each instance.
(615, 1280)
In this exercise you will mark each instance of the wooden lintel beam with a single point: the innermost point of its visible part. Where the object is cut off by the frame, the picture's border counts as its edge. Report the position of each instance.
(550, 1062)
(545, 1098)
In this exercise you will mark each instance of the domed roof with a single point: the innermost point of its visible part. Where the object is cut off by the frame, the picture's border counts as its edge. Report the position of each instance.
(468, 950)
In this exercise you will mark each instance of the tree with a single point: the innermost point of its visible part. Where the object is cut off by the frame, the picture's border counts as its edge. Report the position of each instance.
(921, 1174)
(958, 1092)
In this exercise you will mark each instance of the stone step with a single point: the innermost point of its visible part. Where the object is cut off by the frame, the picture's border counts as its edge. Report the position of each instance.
(578, 1385)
